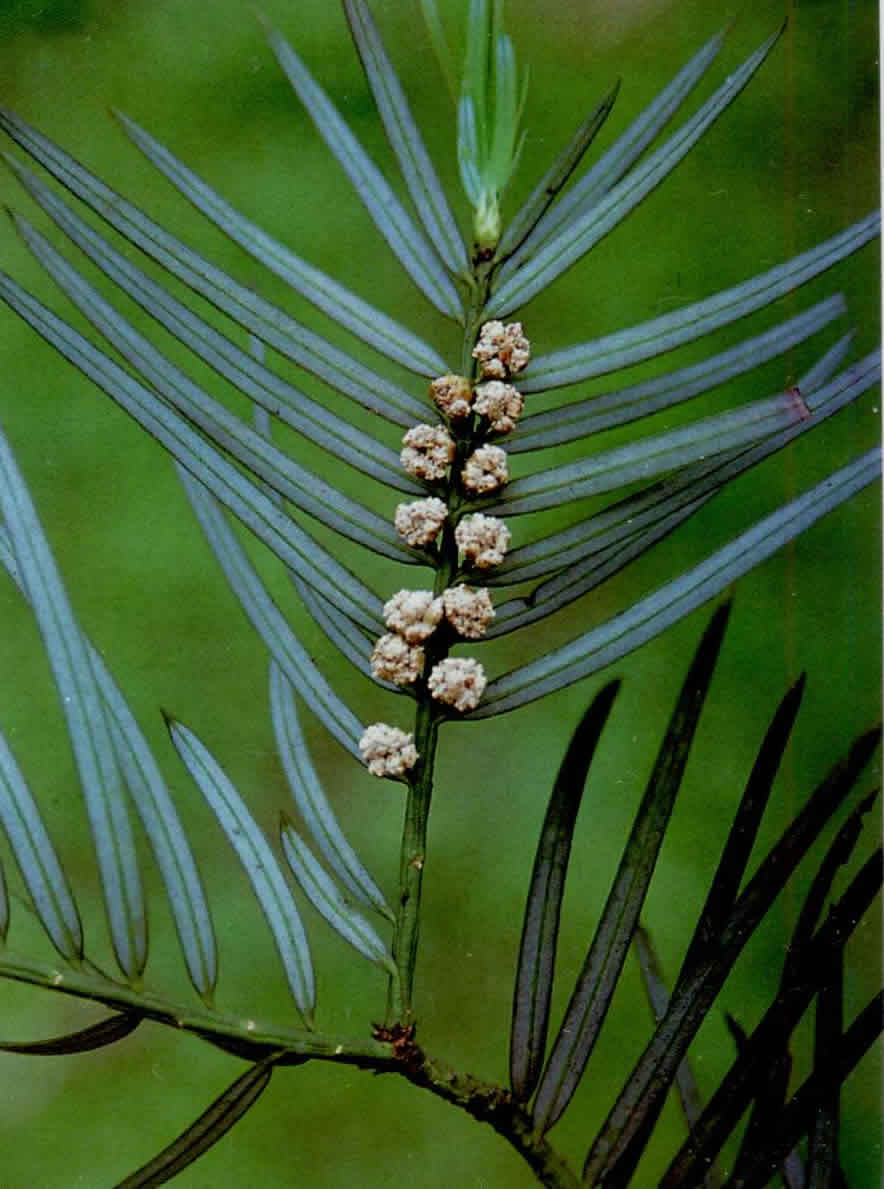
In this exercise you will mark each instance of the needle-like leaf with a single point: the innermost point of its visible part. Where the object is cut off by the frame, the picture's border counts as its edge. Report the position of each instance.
(686, 1084)
(732, 1097)
(696, 990)
(325, 896)
(796, 1118)
(205, 1131)
(629, 518)
(468, 149)
(38, 862)
(575, 239)
(611, 167)
(441, 48)
(651, 615)
(366, 322)
(4, 906)
(339, 437)
(741, 838)
(415, 253)
(268, 321)
(766, 1111)
(159, 817)
(249, 503)
(717, 910)
(556, 177)
(651, 339)
(583, 576)
(96, 1036)
(258, 862)
(609, 409)
(540, 929)
(405, 139)
(702, 439)
(475, 76)
(270, 624)
(595, 987)
(305, 489)
(81, 702)
(166, 835)
(346, 636)
(310, 798)
(822, 1146)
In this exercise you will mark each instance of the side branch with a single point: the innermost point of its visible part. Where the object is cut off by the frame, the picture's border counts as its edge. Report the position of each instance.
(485, 1101)
(247, 1038)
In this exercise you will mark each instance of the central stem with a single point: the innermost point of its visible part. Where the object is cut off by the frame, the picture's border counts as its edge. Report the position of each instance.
(412, 856)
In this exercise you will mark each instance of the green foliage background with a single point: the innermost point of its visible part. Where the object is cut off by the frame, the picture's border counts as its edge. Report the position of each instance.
(792, 162)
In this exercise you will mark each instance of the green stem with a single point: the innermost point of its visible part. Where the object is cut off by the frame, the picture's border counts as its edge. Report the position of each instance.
(213, 1026)
(412, 858)
(389, 1051)
(479, 293)
(413, 850)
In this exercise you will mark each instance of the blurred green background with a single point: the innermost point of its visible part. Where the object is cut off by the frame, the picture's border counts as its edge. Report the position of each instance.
(792, 162)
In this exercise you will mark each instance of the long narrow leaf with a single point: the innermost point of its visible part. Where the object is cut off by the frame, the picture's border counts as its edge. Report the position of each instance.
(468, 149)
(697, 990)
(415, 253)
(837, 856)
(595, 987)
(627, 530)
(658, 999)
(38, 862)
(576, 238)
(741, 837)
(258, 862)
(305, 489)
(96, 1036)
(651, 615)
(441, 48)
(99, 773)
(736, 1090)
(366, 322)
(268, 321)
(769, 1102)
(607, 410)
(324, 895)
(343, 633)
(597, 534)
(4, 906)
(611, 167)
(822, 1146)
(540, 930)
(480, 36)
(556, 177)
(638, 513)
(205, 1131)
(651, 339)
(686, 1084)
(702, 439)
(795, 1119)
(719, 906)
(585, 576)
(159, 817)
(166, 835)
(251, 505)
(334, 434)
(270, 623)
(405, 139)
(310, 798)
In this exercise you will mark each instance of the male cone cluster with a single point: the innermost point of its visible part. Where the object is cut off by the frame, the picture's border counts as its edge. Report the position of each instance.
(430, 454)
